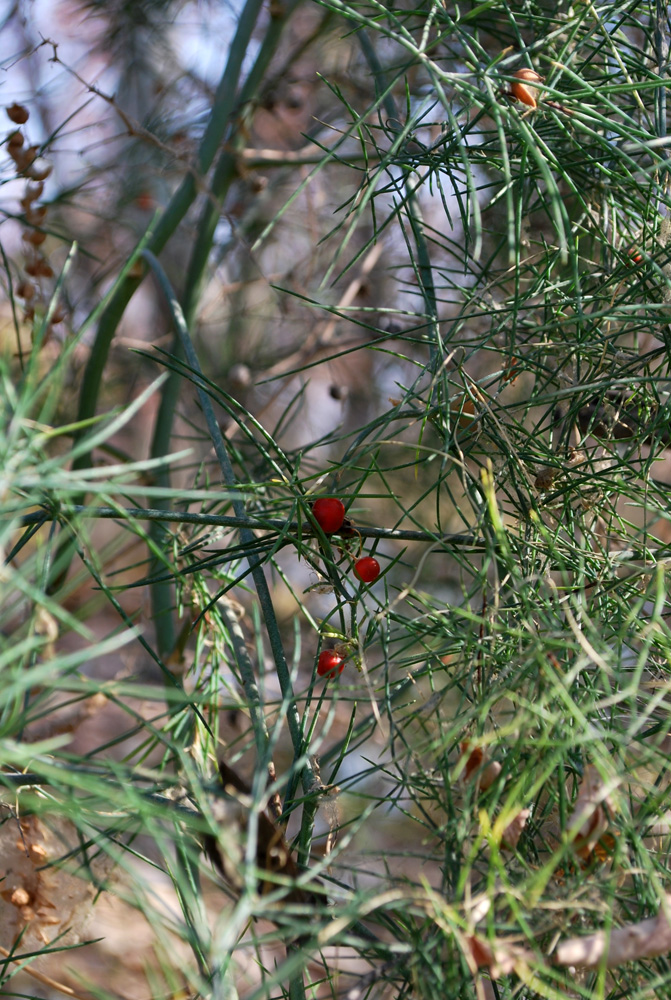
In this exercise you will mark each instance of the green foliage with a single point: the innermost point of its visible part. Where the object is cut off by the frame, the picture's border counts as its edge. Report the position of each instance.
(450, 309)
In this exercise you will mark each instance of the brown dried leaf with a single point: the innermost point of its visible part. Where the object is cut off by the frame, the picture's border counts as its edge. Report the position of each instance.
(500, 958)
(513, 831)
(478, 763)
(590, 816)
(231, 812)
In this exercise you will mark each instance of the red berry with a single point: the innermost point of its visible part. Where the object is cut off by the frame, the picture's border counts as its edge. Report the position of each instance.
(329, 514)
(330, 663)
(367, 569)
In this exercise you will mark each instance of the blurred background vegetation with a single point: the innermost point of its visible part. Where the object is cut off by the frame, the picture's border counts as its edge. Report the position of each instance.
(415, 258)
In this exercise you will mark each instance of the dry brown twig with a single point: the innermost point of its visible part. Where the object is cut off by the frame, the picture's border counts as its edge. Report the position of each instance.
(644, 939)
(134, 128)
(604, 949)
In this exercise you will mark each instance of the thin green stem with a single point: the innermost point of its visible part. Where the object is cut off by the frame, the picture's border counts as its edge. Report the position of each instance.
(223, 108)
(413, 184)
(247, 536)
(469, 541)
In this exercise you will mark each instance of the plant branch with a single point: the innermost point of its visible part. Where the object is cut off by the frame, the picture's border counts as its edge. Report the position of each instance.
(464, 540)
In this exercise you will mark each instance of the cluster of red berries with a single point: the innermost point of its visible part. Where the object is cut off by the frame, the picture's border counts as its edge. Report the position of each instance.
(329, 513)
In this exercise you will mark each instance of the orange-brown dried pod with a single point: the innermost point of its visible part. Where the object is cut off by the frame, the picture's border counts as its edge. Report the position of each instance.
(17, 113)
(25, 290)
(58, 315)
(474, 757)
(19, 157)
(39, 169)
(38, 268)
(31, 154)
(511, 370)
(463, 407)
(35, 237)
(15, 140)
(22, 156)
(44, 270)
(28, 314)
(35, 215)
(466, 411)
(522, 88)
(34, 190)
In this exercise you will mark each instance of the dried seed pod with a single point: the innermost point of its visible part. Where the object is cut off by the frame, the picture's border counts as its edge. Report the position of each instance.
(522, 88)
(30, 154)
(463, 407)
(35, 237)
(17, 113)
(576, 457)
(33, 191)
(38, 268)
(546, 477)
(15, 140)
(25, 290)
(23, 157)
(19, 156)
(44, 270)
(40, 169)
(511, 371)
(35, 215)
